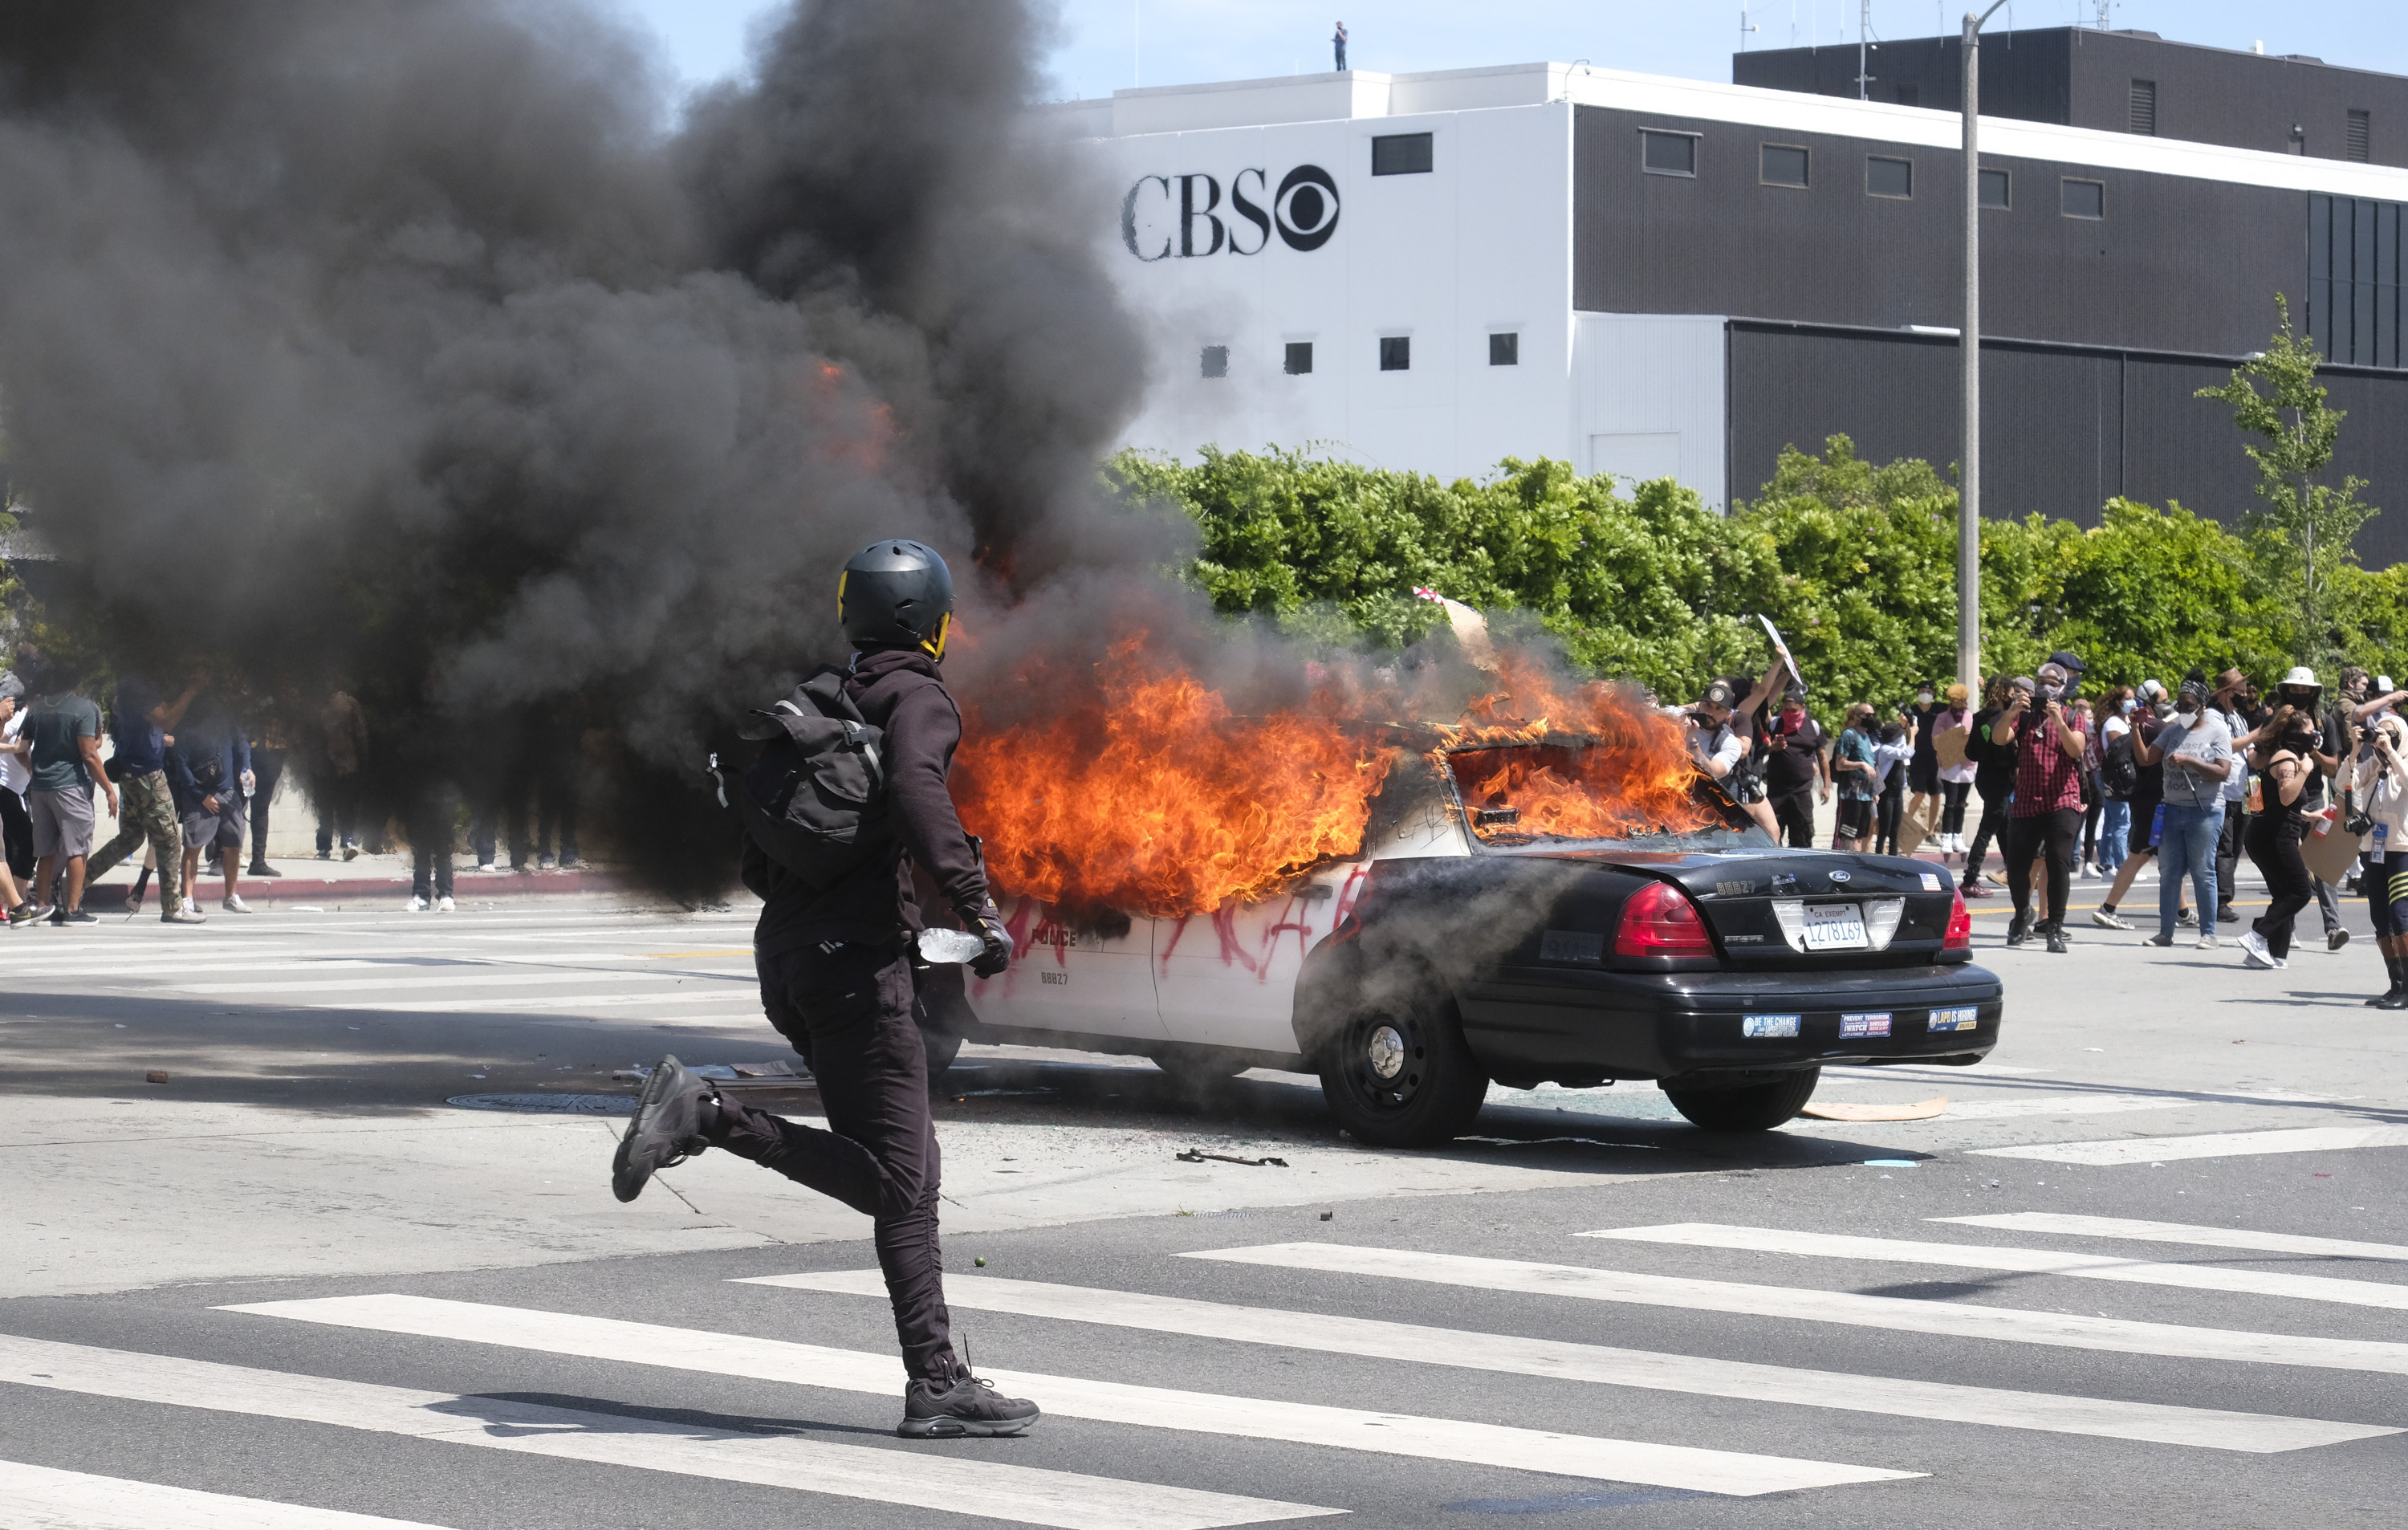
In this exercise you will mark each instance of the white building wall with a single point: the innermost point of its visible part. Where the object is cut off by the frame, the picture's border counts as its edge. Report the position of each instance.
(1649, 399)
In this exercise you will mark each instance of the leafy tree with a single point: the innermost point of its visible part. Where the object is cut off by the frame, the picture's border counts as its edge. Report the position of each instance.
(2303, 533)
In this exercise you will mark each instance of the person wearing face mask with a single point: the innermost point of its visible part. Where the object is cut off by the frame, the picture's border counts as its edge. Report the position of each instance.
(2379, 786)
(1993, 779)
(2195, 751)
(2301, 726)
(1951, 733)
(2236, 699)
(2344, 735)
(2048, 733)
(2145, 811)
(2118, 773)
(1923, 765)
(1793, 767)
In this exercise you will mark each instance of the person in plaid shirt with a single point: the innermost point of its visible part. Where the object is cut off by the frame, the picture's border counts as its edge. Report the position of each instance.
(2048, 733)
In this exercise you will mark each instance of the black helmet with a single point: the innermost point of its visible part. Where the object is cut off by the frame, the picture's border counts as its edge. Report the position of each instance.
(897, 594)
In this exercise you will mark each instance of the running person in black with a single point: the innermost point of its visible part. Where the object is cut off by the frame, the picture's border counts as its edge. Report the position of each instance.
(836, 979)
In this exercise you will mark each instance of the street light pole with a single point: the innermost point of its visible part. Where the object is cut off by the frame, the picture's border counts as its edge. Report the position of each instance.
(1969, 345)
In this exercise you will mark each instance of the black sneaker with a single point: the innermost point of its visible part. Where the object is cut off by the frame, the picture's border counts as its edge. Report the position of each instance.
(261, 868)
(2018, 929)
(664, 1131)
(73, 916)
(2226, 915)
(2161, 940)
(959, 1405)
(2055, 942)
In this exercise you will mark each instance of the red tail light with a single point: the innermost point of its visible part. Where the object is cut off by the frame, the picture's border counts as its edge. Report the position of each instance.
(1660, 921)
(1961, 926)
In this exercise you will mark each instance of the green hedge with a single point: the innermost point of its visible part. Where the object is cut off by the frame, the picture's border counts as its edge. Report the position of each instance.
(1855, 563)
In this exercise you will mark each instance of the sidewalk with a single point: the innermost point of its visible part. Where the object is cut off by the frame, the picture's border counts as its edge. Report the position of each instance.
(379, 881)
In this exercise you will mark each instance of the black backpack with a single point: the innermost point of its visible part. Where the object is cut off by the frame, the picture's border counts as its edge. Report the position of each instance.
(815, 802)
(2120, 773)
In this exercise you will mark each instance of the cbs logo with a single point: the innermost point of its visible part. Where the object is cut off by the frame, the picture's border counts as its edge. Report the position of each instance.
(1167, 216)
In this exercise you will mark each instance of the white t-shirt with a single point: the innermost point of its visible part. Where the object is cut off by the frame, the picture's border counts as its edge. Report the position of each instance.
(15, 774)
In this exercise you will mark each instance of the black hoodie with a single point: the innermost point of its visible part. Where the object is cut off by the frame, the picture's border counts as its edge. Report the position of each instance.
(899, 693)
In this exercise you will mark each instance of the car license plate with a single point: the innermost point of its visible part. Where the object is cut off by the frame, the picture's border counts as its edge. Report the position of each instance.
(1835, 926)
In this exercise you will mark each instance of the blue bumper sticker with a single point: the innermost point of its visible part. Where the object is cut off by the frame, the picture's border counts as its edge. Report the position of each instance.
(1768, 1026)
(1871, 1024)
(1954, 1020)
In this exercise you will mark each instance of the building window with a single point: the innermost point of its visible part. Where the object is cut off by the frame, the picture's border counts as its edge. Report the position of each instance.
(2354, 279)
(1995, 189)
(1668, 153)
(1505, 350)
(1217, 361)
(1889, 178)
(2145, 107)
(1401, 155)
(1396, 352)
(1782, 165)
(2361, 135)
(2085, 198)
(1299, 358)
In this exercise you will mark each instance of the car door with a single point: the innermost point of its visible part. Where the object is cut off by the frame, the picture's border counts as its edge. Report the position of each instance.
(1067, 976)
(1228, 978)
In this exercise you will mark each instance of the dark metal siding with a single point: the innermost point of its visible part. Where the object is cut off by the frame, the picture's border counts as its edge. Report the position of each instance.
(2064, 429)
(2176, 265)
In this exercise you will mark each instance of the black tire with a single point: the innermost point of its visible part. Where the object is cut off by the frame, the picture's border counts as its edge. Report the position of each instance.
(1400, 1075)
(1755, 1108)
(1199, 1068)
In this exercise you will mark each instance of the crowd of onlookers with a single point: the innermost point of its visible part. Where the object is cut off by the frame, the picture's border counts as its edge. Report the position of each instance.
(2103, 785)
(190, 774)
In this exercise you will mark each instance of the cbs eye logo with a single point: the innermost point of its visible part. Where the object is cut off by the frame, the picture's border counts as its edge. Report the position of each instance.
(1167, 216)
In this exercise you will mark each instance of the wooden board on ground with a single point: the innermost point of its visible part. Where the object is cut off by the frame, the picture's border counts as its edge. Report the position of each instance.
(1838, 1110)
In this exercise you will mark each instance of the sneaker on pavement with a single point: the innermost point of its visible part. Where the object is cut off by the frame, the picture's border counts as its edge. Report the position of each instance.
(261, 868)
(961, 1403)
(443, 904)
(2186, 917)
(186, 915)
(2336, 940)
(325, 855)
(2018, 929)
(350, 853)
(484, 865)
(1975, 889)
(234, 904)
(2055, 941)
(2161, 938)
(2106, 920)
(545, 863)
(417, 904)
(2207, 941)
(664, 1131)
(2226, 915)
(2253, 953)
(73, 916)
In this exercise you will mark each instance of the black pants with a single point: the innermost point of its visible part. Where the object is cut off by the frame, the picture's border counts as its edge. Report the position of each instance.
(16, 829)
(2094, 802)
(432, 824)
(2059, 834)
(2227, 852)
(338, 810)
(1795, 812)
(1886, 813)
(2274, 848)
(1994, 820)
(1952, 806)
(849, 1011)
(267, 764)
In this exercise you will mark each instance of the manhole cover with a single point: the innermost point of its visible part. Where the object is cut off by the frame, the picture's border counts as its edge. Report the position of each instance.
(555, 1105)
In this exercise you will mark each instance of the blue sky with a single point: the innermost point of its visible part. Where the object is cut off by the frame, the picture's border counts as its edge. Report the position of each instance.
(1106, 45)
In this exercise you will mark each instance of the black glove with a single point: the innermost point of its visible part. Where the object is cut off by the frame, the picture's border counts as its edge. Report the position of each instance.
(985, 921)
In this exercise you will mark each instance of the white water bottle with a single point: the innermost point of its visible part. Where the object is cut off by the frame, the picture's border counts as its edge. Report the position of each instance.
(950, 947)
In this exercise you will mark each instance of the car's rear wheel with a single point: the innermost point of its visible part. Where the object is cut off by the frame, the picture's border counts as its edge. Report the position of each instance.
(1399, 1074)
(1200, 1067)
(1753, 1108)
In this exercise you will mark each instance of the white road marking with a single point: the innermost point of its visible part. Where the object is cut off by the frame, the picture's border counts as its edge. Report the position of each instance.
(396, 963)
(1958, 1320)
(2175, 1232)
(2206, 1428)
(556, 1001)
(46, 1498)
(2061, 1105)
(1195, 1413)
(2088, 1266)
(918, 1478)
(495, 976)
(2159, 1150)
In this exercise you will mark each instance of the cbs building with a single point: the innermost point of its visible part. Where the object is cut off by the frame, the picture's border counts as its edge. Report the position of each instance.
(1653, 277)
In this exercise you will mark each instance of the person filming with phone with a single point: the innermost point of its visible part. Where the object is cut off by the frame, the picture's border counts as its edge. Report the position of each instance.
(2048, 735)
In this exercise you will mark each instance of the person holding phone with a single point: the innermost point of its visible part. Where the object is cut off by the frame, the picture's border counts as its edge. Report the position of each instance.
(2048, 735)
(2379, 786)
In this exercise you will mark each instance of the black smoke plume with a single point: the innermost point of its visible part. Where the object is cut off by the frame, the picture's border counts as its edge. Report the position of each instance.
(399, 343)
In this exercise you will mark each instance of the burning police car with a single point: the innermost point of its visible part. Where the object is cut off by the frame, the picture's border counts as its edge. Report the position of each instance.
(1510, 917)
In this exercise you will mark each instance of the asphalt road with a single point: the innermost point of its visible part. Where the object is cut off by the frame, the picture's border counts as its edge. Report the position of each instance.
(338, 1265)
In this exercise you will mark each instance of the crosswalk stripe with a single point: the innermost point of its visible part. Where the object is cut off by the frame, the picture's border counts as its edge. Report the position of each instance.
(920, 1480)
(2175, 1232)
(1956, 1320)
(46, 1498)
(2158, 1149)
(2087, 1266)
(1734, 1473)
(2061, 1105)
(2107, 1418)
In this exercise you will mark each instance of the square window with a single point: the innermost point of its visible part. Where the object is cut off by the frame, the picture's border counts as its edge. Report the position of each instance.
(1505, 350)
(1217, 361)
(1668, 153)
(1299, 358)
(2086, 198)
(1889, 178)
(1995, 188)
(1782, 165)
(1401, 155)
(1396, 352)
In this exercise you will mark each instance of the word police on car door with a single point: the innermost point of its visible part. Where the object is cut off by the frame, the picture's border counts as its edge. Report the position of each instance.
(1183, 216)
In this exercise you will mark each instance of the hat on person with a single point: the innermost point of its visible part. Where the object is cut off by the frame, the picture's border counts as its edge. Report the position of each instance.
(2066, 662)
(2302, 675)
(11, 687)
(1957, 692)
(2231, 679)
(2195, 692)
(2383, 684)
(2152, 690)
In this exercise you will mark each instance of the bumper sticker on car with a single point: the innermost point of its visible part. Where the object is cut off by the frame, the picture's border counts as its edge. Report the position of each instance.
(1953, 1020)
(1930, 882)
(1871, 1024)
(1768, 1026)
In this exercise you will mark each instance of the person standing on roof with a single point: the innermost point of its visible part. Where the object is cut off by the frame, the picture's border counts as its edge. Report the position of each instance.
(1337, 42)
(836, 979)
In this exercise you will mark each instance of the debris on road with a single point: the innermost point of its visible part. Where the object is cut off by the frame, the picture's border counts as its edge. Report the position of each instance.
(1839, 1110)
(156, 1076)
(1197, 1155)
